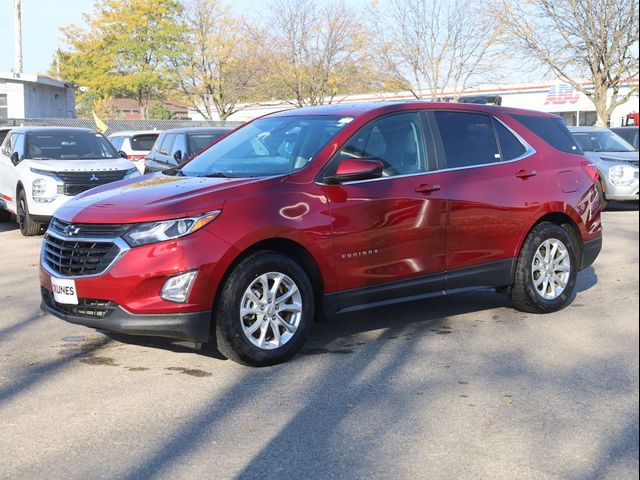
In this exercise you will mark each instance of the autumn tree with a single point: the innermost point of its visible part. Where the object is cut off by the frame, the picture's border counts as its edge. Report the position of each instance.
(436, 45)
(318, 50)
(581, 39)
(220, 63)
(125, 50)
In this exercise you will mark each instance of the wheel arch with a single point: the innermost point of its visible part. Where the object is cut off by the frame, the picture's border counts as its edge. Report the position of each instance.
(570, 223)
(285, 246)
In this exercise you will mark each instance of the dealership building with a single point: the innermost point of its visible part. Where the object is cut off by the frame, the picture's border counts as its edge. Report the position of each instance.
(553, 97)
(35, 96)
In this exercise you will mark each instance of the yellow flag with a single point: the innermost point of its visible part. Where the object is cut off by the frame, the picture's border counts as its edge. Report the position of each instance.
(100, 125)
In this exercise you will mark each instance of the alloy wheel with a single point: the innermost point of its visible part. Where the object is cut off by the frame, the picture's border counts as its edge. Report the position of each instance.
(551, 269)
(271, 310)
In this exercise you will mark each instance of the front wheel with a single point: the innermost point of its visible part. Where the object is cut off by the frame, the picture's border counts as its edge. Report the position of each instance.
(28, 227)
(265, 310)
(546, 270)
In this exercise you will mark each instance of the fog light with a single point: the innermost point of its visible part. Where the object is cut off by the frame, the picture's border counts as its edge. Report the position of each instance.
(176, 289)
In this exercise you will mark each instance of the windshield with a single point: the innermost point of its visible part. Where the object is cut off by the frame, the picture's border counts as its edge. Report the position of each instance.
(602, 142)
(69, 146)
(269, 146)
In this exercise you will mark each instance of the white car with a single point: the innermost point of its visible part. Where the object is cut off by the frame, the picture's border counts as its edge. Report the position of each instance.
(41, 168)
(136, 144)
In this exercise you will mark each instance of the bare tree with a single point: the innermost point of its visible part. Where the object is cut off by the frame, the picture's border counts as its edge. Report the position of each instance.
(594, 39)
(318, 50)
(220, 66)
(436, 45)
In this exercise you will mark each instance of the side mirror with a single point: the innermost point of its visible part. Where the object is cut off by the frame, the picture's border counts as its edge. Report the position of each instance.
(178, 156)
(15, 158)
(123, 155)
(350, 170)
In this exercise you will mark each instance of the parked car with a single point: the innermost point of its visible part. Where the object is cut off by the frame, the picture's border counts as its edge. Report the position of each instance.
(179, 144)
(136, 145)
(4, 131)
(616, 160)
(41, 168)
(629, 134)
(302, 214)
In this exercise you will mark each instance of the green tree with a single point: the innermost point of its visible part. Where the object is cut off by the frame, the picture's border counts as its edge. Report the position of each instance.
(158, 111)
(126, 49)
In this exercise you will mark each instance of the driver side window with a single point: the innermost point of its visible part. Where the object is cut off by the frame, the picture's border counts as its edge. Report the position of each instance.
(395, 139)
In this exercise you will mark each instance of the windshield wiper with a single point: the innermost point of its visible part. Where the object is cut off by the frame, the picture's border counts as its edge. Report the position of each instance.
(215, 175)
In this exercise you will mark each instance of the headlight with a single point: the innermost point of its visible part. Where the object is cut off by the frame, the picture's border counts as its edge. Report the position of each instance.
(39, 191)
(132, 172)
(145, 233)
(622, 175)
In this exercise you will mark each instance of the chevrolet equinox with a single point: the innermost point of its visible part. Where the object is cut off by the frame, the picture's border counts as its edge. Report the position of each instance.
(307, 213)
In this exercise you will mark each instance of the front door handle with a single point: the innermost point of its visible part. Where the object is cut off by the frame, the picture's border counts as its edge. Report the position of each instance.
(526, 174)
(427, 189)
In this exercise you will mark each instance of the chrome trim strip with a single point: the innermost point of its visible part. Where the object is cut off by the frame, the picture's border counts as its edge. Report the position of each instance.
(119, 242)
(529, 151)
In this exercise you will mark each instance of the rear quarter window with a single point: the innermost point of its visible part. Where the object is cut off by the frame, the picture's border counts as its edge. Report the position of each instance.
(551, 130)
(143, 142)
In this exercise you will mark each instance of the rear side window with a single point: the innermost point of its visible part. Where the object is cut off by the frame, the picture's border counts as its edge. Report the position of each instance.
(143, 142)
(198, 141)
(467, 139)
(551, 130)
(510, 146)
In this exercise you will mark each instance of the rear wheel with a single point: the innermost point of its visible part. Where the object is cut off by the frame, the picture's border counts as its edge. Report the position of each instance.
(546, 270)
(265, 310)
(28, 227)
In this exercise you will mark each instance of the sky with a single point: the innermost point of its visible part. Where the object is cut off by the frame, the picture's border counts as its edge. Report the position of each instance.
(41, 22)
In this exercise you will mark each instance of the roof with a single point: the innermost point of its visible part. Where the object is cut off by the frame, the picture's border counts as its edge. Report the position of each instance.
(358, 109)
(128, 133)
(52, 130)
(198, 130)
(34, 78)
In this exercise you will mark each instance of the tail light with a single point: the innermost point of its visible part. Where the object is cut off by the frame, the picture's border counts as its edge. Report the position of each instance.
(591, 170)
(137, 157)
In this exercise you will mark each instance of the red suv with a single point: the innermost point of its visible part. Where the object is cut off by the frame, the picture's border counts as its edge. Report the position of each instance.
(306, 213)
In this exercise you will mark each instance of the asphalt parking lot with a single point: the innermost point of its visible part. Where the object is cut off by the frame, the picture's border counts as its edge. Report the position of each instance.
(457, 387)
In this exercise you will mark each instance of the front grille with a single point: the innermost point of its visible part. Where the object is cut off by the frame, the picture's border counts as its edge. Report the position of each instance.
(87, 307)
(78, 182)
(92, 230)
(78, 257)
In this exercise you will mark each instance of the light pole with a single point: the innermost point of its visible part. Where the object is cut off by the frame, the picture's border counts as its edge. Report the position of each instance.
(18, 36)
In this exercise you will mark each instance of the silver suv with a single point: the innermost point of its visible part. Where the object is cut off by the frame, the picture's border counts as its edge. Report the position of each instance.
(616, 160)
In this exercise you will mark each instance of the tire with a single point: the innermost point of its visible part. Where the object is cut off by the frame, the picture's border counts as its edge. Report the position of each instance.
(532, 298)
(604, 203)
(233, 337)
(28, 227)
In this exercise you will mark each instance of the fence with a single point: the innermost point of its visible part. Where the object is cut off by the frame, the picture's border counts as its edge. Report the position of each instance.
(114, 125)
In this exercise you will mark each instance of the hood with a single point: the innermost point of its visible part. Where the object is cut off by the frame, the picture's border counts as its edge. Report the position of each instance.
(153, 197)
(597, 157)
(81, 165)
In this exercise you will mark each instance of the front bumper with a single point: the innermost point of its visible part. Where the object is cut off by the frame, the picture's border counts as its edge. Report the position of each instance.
(195, 327)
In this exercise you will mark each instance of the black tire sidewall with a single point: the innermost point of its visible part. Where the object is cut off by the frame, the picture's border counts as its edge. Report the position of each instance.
(30, 228)
(231, 340)
(540, 234)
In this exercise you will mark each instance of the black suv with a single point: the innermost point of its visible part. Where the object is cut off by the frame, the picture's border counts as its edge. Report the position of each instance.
(179, 144)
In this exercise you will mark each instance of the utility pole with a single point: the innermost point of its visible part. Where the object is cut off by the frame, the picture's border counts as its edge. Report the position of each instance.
(18, 36)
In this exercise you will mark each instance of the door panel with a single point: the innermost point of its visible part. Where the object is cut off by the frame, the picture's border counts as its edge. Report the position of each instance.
(495, 184)
(392, 228)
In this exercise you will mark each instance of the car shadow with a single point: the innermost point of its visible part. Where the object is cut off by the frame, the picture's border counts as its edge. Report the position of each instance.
(8, 227)
(622, 207)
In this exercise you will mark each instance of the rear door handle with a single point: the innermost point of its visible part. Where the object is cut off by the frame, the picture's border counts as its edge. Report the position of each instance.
(526, 174)
(426, 189)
